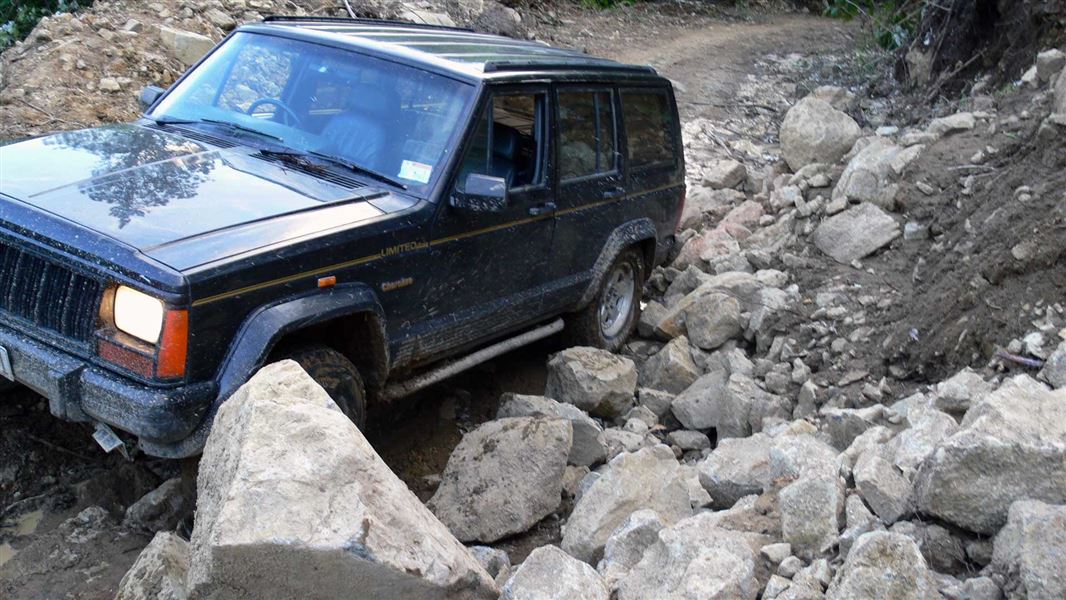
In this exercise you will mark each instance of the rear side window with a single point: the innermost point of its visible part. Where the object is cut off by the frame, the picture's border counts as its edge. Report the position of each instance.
(586, 134)
(649, 127)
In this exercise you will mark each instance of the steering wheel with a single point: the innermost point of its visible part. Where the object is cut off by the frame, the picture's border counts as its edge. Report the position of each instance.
(289, 113)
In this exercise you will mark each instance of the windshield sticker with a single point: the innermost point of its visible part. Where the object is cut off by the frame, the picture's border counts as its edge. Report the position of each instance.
(415, 171)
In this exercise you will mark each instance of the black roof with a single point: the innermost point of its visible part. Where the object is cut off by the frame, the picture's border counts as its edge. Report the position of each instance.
(453, 48)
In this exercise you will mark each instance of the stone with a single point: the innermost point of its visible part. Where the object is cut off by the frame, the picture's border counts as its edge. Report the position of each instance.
(744, 406)
(737, 467)
(811, 508)
(649, 478)
(804, 455)
(161, 509)
(627, 544)
(713, 320)
(883, 487)
(775, 586)
(594, 380)
(589, 445)
(694, 559)
(671, 369)
(980, 588)
(962, 390)
(290, 492)
(427, 17)
(846, 424)
(1059, 106)
(837, 97)
(503, 478)
(856, 233)
(927, 428)
(883, 566)
(873, 174)
(698, 407)
(548, 573)
(1049, 63)
(657, 401)
(186, 46)
(110, 84)
(725, 174)
(220, 19)
(1030, 551)
(159, 572)
(775, 553)
(688, 440)
(1011, 445)
(495, 562)
(789, 567)
(815, 132)
(1054, 371)
(952, 124)
(620, 441)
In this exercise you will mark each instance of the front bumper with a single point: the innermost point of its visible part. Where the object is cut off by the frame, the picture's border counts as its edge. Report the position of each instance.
(79, 391)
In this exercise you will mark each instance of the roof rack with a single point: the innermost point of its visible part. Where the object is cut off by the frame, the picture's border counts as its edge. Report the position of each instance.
(497, 66)
(360, 21)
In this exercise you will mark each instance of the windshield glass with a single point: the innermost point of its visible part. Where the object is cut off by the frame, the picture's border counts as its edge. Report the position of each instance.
(389, 118)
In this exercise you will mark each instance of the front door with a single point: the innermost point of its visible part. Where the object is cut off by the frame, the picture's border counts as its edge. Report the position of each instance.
(488, 266)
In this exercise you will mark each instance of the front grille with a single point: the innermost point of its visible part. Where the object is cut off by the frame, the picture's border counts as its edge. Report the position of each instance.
(48, 295)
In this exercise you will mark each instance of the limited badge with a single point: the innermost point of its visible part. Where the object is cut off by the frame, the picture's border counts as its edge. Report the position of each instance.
(415, 171)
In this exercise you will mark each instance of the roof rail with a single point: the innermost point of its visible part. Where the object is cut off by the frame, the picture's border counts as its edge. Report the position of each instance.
(361, 21)
(497, 66)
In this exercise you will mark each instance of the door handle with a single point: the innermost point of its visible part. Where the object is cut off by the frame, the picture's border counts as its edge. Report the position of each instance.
(542, 209)
(614, 193)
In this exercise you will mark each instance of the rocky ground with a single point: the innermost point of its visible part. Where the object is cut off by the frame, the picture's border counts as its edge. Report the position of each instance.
(847, 384)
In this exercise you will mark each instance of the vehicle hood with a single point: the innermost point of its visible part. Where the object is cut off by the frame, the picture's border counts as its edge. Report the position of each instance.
(180, 200)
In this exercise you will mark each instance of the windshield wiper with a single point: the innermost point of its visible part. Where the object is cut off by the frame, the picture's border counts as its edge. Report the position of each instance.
(165, 120)
(358, 168)
(239, 127)
(292, 157)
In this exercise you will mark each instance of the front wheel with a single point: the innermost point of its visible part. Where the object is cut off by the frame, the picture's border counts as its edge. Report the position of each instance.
(338, 376)
(612, 315)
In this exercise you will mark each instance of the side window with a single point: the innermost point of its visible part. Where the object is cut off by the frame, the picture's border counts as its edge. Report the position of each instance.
(586, 134)
(649, 130)
(509, 141)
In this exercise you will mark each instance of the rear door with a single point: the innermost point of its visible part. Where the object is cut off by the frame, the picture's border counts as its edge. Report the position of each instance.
(590, 184)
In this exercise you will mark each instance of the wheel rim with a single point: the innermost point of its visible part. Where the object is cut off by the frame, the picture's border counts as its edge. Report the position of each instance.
(617, 301)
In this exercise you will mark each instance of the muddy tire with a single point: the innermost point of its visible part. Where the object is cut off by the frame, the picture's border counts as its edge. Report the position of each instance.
(338, 376)
(612, 315)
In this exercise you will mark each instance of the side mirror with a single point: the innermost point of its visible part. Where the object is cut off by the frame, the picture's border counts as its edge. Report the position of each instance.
(482, 193)
(148, 96)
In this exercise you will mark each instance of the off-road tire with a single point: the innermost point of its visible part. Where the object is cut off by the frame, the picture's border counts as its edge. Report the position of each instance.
(584, 327)
(338, 376)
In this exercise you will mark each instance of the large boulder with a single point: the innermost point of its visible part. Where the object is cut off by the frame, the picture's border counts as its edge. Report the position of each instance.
(1054, 371)
(594, 380)
(548, 573)
(1012, 445)
(815, 132)
(928, 427)
(856, 233)
(649, 478)
(735, 405)
(1059, 106)
(694, 559)
(627, 545)
(883, 486)
(293, 502)
(811, 508)
(1030, 551)
(186, 46)
(160, 570)
(961, 391)
(671, 369)
(884, 566)
(738, 467)
(503, 477)
(873, 174)
(713, 320)
(589, 447)
(161, 509)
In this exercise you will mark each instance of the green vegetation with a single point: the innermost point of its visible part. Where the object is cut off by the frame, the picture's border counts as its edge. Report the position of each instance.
(18, 17)
(894, 22)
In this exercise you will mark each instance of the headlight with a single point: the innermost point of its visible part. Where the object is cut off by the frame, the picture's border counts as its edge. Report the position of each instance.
(138, 314)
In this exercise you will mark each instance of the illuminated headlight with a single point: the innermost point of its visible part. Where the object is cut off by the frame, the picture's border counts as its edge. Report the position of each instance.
(138, 314)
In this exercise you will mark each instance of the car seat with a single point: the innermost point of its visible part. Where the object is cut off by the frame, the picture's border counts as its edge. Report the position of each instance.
(361, 132)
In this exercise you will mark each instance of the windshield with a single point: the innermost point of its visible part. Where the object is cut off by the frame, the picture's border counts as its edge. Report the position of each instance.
(384, 117)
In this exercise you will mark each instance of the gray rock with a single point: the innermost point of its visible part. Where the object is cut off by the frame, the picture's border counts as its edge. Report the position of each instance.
(161, 509)
(725, 174)
(775, 587)
(804, 455)
(159, 572)
(689, 440)
(980, 588)
(627, 544)
(594, 380)
(738, 467)
(1049, 63)
(928, 427)
(589, 447)
(883, 487)
(742, 407)
(186, 46)
(961, 391)
(856, 233)
(548, 573)
(811, 508)
(503, 477)
(713, 320)
(884, 566)
(699, 405)
(220, 19)
(496, 562)
(620, 441)
(1054, 371)
(846, 424)
(789, 567)
(873, 174)
(1059, 107)
(657, 401)
(294, 502)
(955, 123)
(1015, 440)
(671, 369)
(815, 132)
(649, 478)
(694, 559)
(775, 553)
(1030, 551)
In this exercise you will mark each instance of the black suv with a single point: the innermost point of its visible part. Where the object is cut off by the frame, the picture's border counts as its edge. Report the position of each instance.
(367, 198)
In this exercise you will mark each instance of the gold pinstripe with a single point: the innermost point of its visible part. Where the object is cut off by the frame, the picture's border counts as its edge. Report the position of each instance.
(384, 254)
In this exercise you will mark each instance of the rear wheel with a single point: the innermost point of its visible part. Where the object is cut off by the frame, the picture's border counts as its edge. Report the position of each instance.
(612, 315)
(338, 376)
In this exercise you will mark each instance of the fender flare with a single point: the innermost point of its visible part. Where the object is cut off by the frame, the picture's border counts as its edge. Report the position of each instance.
(257, 337)
(624, 236)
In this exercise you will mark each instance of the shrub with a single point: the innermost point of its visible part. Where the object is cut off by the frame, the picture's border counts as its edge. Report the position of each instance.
(893, 21)
(18, 17)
